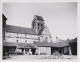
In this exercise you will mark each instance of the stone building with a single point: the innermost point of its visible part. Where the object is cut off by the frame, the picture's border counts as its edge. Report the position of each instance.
(38, 24)
(23, 38)
(20, 34)
(35, 40)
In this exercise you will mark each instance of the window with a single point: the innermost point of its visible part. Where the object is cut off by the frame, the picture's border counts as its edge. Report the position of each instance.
(46, 39)
(17, 41)
(33, 25)
(41, 24)
(38, 24)
(38, 38)
(25, 41)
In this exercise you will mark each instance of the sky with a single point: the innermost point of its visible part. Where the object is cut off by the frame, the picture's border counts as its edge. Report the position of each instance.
(59, 17)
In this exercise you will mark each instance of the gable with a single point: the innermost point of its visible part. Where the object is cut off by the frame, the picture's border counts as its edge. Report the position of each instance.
(46, 31)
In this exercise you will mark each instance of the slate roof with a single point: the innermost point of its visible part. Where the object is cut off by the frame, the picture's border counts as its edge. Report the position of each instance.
(22, 30)
(39, 18)
(10, 44)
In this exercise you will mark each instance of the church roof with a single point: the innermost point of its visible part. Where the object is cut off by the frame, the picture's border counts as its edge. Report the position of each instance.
(22, 30)
(41, 30)
(39, 18)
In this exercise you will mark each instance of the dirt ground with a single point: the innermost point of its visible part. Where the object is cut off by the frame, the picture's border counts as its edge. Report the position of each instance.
(24, 57)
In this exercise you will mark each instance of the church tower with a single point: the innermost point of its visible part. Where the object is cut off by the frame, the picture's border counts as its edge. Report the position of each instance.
(37, 23)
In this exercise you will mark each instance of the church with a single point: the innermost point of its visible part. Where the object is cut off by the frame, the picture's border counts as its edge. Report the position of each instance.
(38, 24)
(36, 40)
(38, 32)
(23, 39)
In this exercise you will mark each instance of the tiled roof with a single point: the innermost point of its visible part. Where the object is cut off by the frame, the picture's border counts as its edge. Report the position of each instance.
(26, 45)
(10, 44)
(73, 40)
(22, 30)
(45, 44)
(20, 45)
(42, 43)
(62, 44)
(39, 18)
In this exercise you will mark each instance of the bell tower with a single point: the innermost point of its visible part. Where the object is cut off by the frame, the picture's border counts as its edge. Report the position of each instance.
(37, 23)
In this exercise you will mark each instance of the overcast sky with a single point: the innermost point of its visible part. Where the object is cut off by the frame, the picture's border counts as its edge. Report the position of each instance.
(60, 18)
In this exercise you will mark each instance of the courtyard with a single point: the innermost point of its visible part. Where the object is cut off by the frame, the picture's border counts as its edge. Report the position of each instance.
(24, 57)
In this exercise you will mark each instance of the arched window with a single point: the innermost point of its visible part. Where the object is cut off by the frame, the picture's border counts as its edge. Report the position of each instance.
(46, 39)
(17, 41)
(25, 41)
(38, 38)
(41, 24)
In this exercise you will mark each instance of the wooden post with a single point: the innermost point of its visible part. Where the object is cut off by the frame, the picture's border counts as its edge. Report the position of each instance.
(70, 53)
(24, 51)
(39, 51)
(62, 51)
